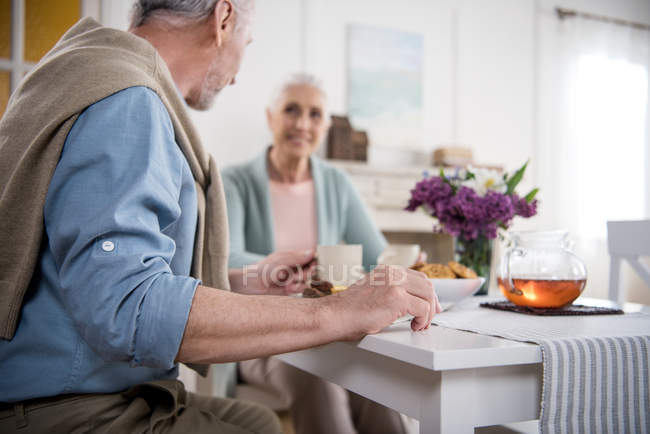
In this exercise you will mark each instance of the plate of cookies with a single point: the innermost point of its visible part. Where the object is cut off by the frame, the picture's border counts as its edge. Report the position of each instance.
(452, 281)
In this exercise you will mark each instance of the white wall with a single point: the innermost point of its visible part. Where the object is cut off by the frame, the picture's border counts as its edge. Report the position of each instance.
(115, 13)
(495, 80)
(479, 69)
(477, 85)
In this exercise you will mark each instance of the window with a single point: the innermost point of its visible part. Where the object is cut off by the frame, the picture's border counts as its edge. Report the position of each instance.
(28, 29)
(609, 109)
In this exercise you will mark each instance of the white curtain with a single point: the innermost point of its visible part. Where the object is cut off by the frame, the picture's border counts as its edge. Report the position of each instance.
(594, 148)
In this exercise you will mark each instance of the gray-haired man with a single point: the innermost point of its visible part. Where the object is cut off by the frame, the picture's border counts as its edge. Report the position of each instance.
(111, 211)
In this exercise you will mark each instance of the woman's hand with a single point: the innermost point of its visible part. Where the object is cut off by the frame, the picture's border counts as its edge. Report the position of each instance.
(280, 273)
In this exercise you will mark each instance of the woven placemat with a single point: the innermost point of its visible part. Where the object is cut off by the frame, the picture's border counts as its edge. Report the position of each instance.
(572, 309)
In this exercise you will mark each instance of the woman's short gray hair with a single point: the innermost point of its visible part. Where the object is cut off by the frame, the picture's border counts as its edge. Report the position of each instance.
(186, 10)
(299, 79)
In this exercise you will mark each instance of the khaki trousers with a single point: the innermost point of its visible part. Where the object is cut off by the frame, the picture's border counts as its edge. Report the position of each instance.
(155, 407)
(318, 406)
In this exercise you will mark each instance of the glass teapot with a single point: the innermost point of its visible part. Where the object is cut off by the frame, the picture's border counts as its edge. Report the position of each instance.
(538, 269)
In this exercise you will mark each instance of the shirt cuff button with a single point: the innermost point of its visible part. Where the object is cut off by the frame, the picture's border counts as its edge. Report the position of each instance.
(108, 246)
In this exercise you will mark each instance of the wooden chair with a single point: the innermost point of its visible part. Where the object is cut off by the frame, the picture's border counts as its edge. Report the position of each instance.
(627, 240)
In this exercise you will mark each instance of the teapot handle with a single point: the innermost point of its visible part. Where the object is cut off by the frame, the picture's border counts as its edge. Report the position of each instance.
(570, 244)
(508, 256)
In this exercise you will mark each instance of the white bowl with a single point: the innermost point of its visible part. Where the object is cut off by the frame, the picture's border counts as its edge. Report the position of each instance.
(451, 291)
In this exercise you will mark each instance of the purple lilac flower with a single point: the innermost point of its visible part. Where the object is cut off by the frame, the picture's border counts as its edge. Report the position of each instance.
(498, 207)
(464, 213)
(490, 231)
(523, 208)
(469, 204)
(428, 192)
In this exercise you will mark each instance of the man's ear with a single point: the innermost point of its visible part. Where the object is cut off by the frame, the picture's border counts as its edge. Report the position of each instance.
(224, 21)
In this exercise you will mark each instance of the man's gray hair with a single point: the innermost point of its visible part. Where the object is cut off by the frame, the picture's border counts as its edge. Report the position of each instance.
(184, 10)
(298, 79)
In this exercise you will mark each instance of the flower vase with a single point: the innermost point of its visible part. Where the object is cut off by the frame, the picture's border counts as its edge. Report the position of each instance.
(477, 255)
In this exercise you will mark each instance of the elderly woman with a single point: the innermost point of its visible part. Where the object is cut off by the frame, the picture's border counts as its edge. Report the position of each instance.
(288, 199)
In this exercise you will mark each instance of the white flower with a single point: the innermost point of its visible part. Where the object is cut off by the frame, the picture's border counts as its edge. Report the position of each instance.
(484, 180)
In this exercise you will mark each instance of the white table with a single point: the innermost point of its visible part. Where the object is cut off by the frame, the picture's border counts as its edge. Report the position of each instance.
(450, 380)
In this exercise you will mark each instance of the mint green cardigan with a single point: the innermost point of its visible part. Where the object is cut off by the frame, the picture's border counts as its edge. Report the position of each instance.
(341, 214)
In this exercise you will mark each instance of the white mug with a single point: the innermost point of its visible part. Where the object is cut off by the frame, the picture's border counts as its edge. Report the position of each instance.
(404, 255)
(341, 264)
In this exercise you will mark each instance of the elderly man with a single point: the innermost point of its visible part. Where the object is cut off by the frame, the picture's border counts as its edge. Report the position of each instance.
(111, 212)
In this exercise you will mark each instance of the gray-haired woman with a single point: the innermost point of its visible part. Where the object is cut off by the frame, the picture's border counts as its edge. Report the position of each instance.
(289, 199)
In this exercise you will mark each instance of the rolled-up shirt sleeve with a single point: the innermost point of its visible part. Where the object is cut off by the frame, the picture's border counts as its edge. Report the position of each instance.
(111, 216)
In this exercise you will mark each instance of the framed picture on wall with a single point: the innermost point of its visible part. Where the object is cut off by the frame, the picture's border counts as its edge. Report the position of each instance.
(384, 79)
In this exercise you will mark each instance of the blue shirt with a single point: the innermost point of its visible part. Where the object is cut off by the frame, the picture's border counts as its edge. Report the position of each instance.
(110, 298)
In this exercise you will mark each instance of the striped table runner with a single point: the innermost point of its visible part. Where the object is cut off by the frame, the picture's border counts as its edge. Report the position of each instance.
(596, 368)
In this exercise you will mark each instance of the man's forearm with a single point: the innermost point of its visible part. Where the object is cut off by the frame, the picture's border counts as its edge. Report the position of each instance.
(224, 326)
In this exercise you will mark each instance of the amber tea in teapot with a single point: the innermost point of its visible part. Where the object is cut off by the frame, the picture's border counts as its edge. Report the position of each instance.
(539, 270)
(542, 292)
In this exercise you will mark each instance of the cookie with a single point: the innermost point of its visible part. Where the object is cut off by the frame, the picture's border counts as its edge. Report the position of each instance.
(418, 266)
(462, 271)
(318, 289)
(438, 271)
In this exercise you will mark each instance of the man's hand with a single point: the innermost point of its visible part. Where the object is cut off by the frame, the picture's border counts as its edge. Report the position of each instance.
(381, 297)
(280, 273)
(224, 326)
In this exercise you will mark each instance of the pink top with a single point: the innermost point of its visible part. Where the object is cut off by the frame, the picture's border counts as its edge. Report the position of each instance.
(295, 224)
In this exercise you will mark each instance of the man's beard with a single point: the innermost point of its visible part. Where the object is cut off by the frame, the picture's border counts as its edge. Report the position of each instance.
(210, 87)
